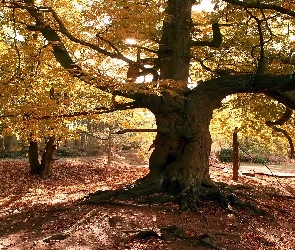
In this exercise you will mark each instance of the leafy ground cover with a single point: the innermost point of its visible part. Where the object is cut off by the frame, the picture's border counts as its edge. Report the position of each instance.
(49, 214)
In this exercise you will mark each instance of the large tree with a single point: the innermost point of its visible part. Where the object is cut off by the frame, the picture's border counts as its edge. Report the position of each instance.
(238, 48)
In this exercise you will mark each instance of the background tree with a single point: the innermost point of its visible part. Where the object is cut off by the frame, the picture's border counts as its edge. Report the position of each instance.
(251, 113)
(226, 49)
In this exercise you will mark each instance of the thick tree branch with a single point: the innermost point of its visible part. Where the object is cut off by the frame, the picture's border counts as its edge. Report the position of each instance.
(97, 111)
(118, 55)
(275, 86)
(263, 6)
(51, 35)
(283, 98)
(216, 41)
(250, 83)
(285, 117)
(288, 137)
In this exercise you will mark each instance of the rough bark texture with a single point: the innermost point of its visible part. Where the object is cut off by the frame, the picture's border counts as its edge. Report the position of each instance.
(175, 43)
(33, 158)
(180, 160)
(47, 157)
(42, 169)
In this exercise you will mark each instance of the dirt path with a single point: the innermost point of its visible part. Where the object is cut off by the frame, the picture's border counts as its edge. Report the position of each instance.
(276, 170)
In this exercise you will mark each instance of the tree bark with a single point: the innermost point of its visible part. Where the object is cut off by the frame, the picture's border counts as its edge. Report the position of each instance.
(47, 157)
(42, 169)
(175, 42)
(33, 158)
(235, 155)
(179, 162)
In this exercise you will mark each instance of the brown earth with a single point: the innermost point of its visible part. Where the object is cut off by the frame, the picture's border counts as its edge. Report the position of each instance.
(48, 214)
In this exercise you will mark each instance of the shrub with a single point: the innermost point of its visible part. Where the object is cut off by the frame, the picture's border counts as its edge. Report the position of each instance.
(260, 159)
(13, 154)
(65, 152)
(225, 155)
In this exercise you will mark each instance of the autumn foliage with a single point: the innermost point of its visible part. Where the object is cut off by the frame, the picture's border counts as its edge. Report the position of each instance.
(66, 61)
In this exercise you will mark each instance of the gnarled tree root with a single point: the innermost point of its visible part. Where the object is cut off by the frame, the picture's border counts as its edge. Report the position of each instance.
(143, 189)
(147, 193)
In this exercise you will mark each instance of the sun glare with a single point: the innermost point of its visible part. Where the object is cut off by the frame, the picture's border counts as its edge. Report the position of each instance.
(130, 41)
(205, 5)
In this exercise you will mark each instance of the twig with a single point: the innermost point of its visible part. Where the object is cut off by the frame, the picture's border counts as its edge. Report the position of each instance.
(123, 131)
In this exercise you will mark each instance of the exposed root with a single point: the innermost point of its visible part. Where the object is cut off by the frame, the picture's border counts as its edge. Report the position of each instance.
(157, 198)
(147, 192)
(188, 202)
(143, 189)
(142, 235)
(228, 198)
(144, 193)
(174, 232)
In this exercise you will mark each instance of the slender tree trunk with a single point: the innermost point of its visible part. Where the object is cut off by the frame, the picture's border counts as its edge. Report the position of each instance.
(9, 141)
(1, 143)
(42, 169)
(110, 144)
(235, 155)
(47, 157)
(33, 158)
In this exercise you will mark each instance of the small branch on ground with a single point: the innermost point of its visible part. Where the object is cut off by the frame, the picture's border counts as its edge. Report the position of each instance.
(123, 131)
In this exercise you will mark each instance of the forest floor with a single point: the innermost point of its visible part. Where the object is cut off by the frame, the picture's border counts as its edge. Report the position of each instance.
(48, 214)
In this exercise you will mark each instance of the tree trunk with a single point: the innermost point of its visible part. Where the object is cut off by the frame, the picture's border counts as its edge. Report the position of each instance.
(33, 158)
(9, 141)
(110, 144)
(42, 169)
(47, 157)
(1, 143)
(180, 160)
(175, 42)
(235, 155)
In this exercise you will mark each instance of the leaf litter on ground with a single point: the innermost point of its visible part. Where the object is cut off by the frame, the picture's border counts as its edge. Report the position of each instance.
(40, 213)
